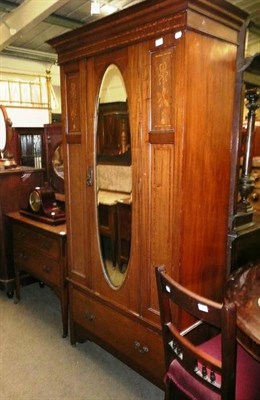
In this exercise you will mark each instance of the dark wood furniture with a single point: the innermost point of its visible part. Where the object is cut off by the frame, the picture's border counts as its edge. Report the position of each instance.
(15, 187)
(245, 245)
(108, 228)
(255, 195)
(40, 250)
(28, 147)
(124, 218)
(112, 119)
(245, 233)
(178, 62)
(36, 147)
(217, 368)
(243, 289)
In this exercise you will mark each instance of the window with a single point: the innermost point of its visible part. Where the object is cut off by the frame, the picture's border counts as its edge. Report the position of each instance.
(27, 91)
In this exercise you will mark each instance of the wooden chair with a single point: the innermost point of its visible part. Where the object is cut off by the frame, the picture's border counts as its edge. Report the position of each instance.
(216, 369)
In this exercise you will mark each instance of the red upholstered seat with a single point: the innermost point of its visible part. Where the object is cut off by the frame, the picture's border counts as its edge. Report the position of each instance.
(247, 375)
(218, 369)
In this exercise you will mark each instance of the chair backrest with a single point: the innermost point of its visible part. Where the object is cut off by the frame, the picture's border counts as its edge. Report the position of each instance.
(202, 366)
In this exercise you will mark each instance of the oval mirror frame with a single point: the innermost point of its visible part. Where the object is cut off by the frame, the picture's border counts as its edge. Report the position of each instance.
(3, 130)
(114, 177)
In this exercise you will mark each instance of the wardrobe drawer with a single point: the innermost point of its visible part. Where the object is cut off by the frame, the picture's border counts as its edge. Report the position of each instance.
(138, 344)
(43, 268)
(36, 240)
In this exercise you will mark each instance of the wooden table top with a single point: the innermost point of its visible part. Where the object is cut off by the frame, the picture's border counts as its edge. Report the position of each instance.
(59, 229)
(243, 288)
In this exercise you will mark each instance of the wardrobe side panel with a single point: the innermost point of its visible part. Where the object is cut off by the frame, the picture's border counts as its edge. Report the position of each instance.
(207, 163)
(74, 95)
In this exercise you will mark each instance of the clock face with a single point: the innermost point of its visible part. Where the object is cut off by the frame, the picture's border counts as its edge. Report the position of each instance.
(35, 201)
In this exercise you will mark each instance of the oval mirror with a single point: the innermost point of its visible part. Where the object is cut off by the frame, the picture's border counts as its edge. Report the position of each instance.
(57, 161)
(114, 177)
(3, 131)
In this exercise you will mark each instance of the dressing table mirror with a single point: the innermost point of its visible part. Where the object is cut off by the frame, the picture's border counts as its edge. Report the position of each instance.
(54, 156)
(57, 161)
(114, 177)
(6, 157)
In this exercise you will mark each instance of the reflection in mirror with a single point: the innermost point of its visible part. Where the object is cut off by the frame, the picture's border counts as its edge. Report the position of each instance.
(57, 161)
(114, 177)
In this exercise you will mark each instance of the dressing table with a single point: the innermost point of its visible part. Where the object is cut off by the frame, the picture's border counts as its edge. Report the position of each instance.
(40, 250)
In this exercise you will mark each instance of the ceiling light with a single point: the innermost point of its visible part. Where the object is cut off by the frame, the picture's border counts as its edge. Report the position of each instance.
(12, 31)
(95, 7)
(108, 9)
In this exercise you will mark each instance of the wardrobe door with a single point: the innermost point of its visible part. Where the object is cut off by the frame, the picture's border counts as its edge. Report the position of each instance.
(114, 275)
(160, 60)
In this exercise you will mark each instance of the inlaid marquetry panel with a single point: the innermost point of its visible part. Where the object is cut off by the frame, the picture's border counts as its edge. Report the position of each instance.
(162, 90)
(73, 107)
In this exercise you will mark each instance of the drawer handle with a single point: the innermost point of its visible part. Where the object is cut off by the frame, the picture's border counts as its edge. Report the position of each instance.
(89, 316)
(140, 348)
(46, 268)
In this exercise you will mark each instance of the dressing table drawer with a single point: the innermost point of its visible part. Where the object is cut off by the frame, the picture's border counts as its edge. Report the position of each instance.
(35, 240)
(39, 249)
(43, 268)
(139, 345)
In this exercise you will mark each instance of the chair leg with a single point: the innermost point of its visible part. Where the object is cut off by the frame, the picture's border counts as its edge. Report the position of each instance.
(168, 391)
(173, 393)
